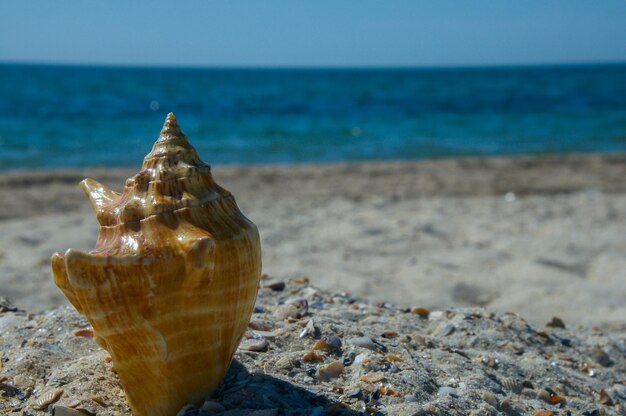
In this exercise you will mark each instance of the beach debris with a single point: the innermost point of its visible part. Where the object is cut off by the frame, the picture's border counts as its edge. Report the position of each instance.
(330, 343)
(175, 273)
(284, 312)
(284, 363)
(605, 399)
(277, 286)
(330, 371)
(311, 357)
(601, 357)
(211, 406)
(421, 312)
(310, 330)
(556, 322)
(59, 410)
(513, 385)
(87, 333)
(374, 377)
(254, 344)
(367, 342)
(47, 398)
(6, 305)
(447, 391)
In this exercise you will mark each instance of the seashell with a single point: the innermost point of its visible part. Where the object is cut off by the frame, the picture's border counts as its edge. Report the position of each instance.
(330, 371)
(47, 398)
(513, 385)
(171, 284)
(66, 411)
(254, 345)
(284, 363)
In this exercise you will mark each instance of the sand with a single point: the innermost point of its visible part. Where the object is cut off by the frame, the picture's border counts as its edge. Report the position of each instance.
(340, 356)
(539, 236)
(493, 248)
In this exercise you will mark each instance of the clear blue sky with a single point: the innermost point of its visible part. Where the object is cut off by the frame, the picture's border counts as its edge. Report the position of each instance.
(313, 33)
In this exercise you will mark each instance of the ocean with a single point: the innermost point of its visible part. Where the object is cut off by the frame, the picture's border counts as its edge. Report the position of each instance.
(73, 116)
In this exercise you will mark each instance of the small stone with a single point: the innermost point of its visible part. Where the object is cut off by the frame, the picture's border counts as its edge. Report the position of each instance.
(605, 399)
(556, 322)
(601, 357)
(212, 407)
(66, 411)
(422, 312)
(311, 357)
(283, 312)
(542, 412)
(363, 342)
(276, 287)
(446, 391)
(373, 377)
(254, 345)
(310, 330)
(330, 371)
(447, 329)
(491, 399)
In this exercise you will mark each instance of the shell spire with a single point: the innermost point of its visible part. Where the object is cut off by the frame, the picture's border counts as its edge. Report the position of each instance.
(171, 284)
(171, 130)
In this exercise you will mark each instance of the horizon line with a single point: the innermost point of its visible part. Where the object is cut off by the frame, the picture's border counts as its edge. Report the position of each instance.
(310, 67)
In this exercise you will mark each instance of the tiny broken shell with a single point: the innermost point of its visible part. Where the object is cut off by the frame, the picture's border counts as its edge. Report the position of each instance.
(330, 343)
(330, 371)
(373, 377)
(254, 345)
(284, 363)
(422, 312)
(47, 398)
(86, 333)
(311, 357)
(513, 385)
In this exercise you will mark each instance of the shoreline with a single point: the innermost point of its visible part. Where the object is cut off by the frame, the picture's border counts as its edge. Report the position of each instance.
(27, 192)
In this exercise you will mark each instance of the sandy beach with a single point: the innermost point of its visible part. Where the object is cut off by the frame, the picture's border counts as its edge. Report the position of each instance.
(539, 236)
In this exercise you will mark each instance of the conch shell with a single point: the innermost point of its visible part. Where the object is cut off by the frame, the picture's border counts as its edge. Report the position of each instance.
(172, 282)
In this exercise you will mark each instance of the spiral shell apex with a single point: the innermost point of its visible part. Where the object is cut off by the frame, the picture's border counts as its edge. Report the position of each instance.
(172, 281)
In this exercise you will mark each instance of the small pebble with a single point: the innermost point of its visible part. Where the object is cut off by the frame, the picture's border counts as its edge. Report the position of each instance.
(66, 411)
(446, 391)
(330, 371)
(283, 312)
(601, 357)
(422, 312)
(276, 287)
(556, 322)
(447, 329)
(363, 342)
(310, 330)
(254, 345)
(212, 407)
(373, 377)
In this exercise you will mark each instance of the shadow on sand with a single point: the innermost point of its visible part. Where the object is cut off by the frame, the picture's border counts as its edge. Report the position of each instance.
(243, 393)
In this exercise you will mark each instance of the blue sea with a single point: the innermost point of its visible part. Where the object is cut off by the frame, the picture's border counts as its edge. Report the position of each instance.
(72, 116)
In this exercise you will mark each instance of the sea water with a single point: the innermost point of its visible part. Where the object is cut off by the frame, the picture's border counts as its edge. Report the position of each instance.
(72, 116)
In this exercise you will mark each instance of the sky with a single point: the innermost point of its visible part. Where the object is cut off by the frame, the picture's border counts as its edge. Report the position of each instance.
(321, 33)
